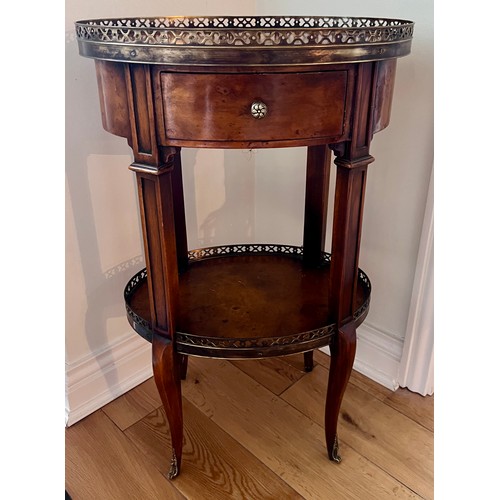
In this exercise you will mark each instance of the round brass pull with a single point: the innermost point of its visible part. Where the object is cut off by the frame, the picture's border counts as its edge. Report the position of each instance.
(258, 109)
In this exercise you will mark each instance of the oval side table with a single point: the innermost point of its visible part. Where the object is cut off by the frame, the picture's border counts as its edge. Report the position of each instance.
(247, 82)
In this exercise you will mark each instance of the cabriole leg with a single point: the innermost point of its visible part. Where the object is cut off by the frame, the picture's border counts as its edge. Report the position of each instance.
(342, 352)
(167, 370)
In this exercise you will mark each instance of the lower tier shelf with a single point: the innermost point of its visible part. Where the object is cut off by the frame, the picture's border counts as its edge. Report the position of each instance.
(248, 301)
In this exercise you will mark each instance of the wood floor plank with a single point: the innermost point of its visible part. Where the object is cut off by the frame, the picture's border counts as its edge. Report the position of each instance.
(283, 438)
(322, 358)
(368, 385)
(276, 374)
(214, 465)
(102, 464)
(134, 404)
(397, 444)
(357, 378)
(414, 406)
(409, 403)
(297, 360)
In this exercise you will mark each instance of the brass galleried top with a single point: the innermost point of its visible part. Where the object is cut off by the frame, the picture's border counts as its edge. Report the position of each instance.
(247, 41)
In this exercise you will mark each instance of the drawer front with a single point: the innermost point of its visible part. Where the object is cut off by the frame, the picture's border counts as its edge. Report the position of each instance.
(286, 106)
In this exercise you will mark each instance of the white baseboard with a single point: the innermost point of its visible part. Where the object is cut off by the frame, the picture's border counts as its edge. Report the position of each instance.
(97, 379)
(378, 355)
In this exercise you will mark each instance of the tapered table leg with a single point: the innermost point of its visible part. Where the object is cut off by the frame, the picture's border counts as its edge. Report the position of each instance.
(180, 231)
(352, 159)
(158, 213)
(315, 214)
(316, 203)
(349, 196)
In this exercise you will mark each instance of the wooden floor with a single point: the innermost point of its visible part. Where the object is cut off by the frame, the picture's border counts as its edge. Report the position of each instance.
(254, 430)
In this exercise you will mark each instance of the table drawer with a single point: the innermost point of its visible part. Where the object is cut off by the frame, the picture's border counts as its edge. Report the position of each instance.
(253, 107)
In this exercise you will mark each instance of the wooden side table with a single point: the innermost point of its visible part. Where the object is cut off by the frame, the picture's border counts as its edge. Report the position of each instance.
(247, 82)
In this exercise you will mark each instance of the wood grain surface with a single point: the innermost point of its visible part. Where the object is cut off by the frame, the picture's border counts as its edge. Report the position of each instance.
(254, 429)
(217, 107)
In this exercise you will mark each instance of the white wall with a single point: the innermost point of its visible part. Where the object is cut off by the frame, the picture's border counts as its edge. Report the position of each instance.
(104, 357)
(397, 183)
(231, 196)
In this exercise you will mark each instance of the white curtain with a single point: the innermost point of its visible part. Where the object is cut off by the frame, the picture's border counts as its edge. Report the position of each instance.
(417, 363)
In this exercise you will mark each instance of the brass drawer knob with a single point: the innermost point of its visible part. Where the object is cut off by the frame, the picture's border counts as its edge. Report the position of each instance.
(258, 110)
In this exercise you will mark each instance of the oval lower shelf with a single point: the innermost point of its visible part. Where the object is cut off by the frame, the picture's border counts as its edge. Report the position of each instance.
(247, 301)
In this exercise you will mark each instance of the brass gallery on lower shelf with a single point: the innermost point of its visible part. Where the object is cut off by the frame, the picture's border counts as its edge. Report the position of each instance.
(233, 347)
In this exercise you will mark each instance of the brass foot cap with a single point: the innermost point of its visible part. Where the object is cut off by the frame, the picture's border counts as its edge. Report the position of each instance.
(174, 469)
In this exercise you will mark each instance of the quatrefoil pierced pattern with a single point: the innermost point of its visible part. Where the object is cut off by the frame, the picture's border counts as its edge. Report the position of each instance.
(245, 31)
(202, 343)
